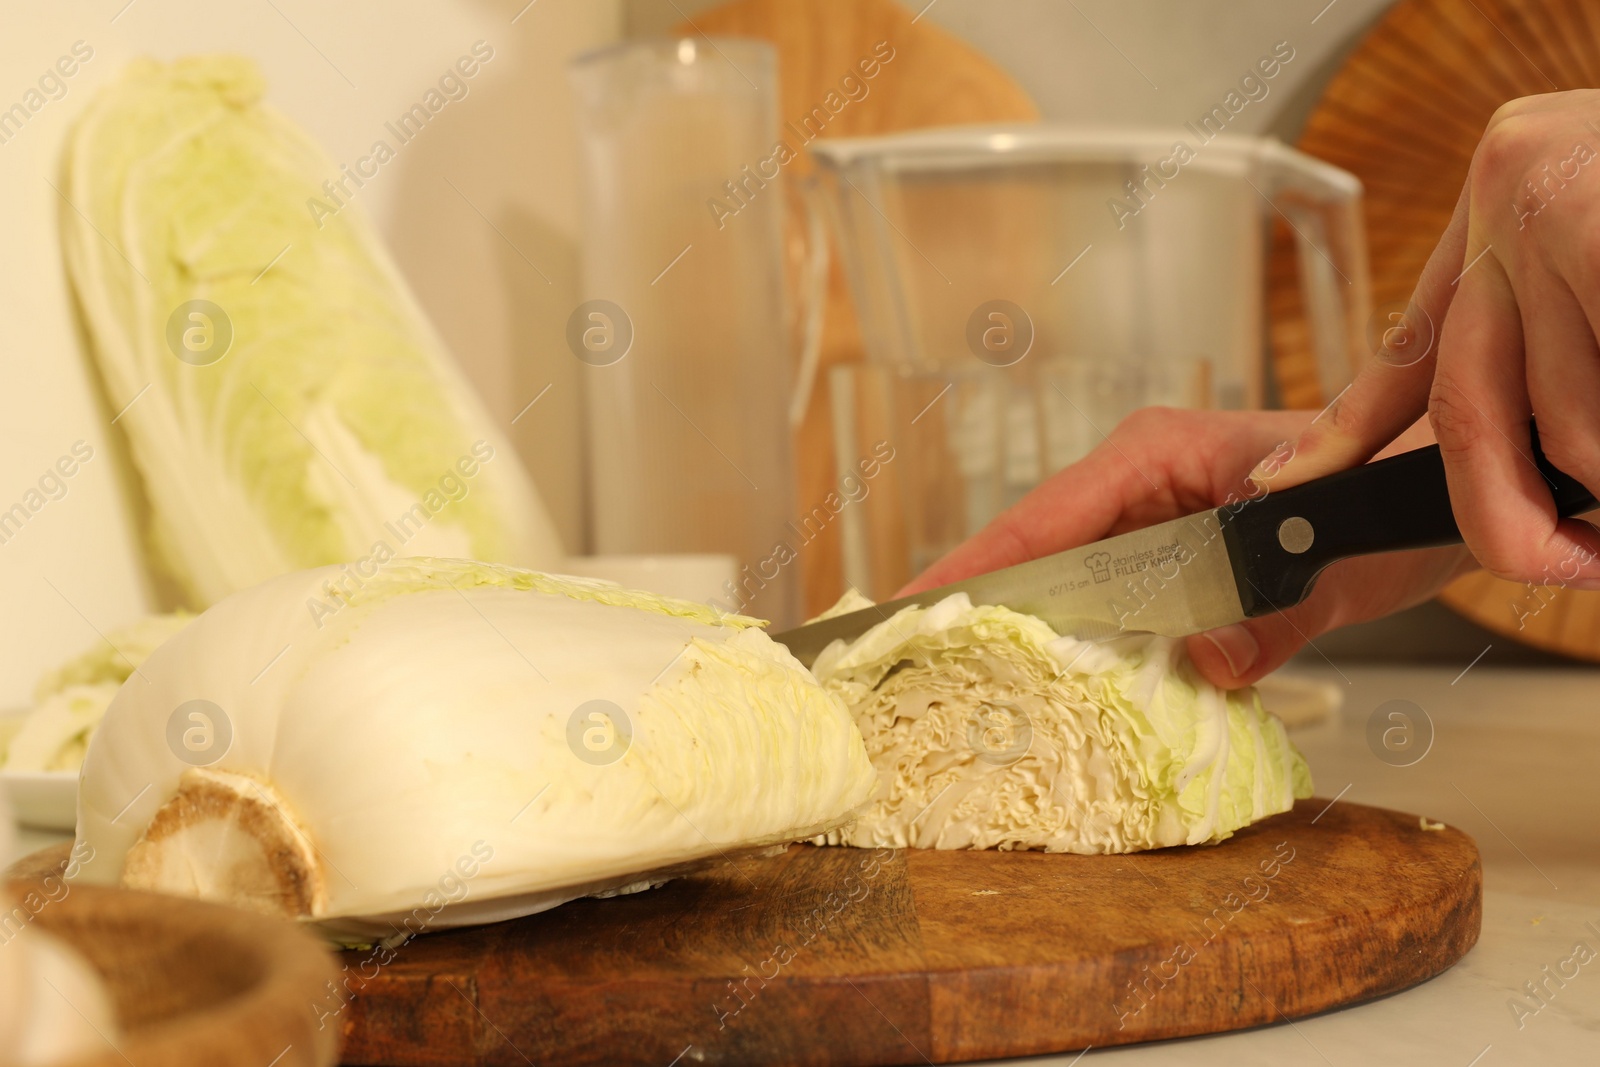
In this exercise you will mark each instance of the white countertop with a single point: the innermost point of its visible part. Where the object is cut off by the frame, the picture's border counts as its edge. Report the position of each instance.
(1515, 762)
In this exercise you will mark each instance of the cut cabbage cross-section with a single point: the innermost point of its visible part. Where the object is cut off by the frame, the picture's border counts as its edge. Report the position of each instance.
(988, 730)
(225, 837)
(460, 742)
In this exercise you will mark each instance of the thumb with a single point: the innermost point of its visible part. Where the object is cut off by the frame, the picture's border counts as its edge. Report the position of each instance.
(1239, 655)
(1352, 590)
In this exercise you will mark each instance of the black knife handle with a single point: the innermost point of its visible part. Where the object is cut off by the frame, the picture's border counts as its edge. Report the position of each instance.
(1280, 542)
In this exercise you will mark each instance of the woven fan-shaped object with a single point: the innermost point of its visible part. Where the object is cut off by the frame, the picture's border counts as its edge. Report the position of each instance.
(1404, 115)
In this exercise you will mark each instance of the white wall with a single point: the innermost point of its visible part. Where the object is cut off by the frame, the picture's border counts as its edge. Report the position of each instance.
(1082, 61)
(1157, 61)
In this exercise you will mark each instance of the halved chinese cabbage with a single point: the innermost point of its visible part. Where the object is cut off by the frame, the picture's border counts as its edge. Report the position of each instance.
(333, 425)
(988, 730)
(457, 741)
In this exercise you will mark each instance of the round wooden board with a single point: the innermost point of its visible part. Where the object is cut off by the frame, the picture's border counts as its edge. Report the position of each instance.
(847, 956)
(1404, 114)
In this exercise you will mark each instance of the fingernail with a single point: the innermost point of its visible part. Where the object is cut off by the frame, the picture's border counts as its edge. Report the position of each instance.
(1237, 645)
(1262, 474)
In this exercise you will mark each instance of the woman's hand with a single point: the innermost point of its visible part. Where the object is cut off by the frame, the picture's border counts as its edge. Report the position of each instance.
(1501, 327)
(1160, 464)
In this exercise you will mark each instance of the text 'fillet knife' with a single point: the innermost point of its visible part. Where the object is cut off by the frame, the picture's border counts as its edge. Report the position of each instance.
(1215, 567)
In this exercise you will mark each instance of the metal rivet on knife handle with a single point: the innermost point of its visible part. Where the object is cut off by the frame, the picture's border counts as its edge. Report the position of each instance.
(1295, 534)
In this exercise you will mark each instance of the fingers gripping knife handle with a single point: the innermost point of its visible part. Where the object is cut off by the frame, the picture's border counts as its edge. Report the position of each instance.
(1280, 542)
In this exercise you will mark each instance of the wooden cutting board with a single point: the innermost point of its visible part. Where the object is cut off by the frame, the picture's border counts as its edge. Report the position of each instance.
(847, 956)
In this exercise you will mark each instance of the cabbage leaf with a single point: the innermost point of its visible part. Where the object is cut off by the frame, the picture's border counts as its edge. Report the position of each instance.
(304, 412)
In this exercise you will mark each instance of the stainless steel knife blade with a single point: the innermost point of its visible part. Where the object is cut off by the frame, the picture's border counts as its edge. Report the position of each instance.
(1221, 566)
(1174, 579)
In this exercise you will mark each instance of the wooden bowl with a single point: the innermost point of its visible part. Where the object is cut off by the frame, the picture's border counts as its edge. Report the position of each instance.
(192, 983)
(1404, 115)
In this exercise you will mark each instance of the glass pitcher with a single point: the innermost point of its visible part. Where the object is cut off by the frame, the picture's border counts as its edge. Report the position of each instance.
(1020, 289)
(1143, 247)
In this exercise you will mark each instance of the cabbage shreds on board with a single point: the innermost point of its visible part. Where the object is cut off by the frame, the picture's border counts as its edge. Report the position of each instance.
(988, 730)
(286, 402)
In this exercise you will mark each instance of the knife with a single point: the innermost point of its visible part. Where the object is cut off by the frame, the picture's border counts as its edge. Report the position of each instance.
(1215, 567)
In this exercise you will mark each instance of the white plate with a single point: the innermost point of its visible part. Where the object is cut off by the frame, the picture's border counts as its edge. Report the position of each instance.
(41, 800)
(45, 800)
